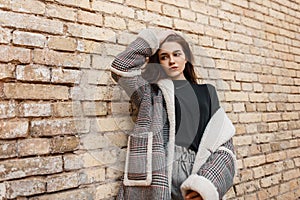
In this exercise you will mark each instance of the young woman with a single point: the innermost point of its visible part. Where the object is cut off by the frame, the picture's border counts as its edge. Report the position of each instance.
(181, 146)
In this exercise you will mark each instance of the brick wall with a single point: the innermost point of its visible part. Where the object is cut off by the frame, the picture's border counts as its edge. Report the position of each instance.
(63, 121)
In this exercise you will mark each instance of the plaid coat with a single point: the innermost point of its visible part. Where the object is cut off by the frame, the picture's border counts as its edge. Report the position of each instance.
(148, 167)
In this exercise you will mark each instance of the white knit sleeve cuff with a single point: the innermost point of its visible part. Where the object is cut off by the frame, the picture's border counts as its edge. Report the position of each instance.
(202, 185)
(150, 37)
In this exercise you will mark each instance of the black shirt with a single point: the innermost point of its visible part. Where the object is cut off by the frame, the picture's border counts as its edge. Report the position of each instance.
(194, 106)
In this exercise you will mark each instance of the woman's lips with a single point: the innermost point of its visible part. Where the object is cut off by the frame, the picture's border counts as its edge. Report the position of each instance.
(173, 68)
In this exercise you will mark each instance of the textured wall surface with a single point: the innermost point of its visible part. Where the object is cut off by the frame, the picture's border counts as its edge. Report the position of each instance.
(63, 121)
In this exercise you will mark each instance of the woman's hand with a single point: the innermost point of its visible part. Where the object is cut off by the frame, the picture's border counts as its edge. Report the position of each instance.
(192, 195)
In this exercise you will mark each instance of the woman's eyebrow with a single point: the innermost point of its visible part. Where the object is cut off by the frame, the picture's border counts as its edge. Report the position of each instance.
(175, 51)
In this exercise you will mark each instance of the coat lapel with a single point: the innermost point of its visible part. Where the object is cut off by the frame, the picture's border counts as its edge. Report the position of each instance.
(218, 131)
(167, 88)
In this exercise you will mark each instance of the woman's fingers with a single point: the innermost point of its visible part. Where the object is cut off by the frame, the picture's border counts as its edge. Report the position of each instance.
(193, 196)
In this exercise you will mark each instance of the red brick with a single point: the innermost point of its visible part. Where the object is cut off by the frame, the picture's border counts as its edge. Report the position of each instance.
(5, 35)
(95, 141)
(98, 77)
(243, 140)
(138, 4)
(61, 12)
(8, 149)
(235, 86)
(291, 174)
(10, 53)
(82, 193)
(254, 161)
(60, 75)
(263, 138)
(19, 168)
(293, 98)
(7, 109)
(247, 187)
(272, 157)
(29, 39)
(259, 97)
(271, 117)
(88, 46)
(157, 19)
(246, 175)
(171, 11)
(5, 4)
(177, 3)
(34, 109)
(135, 26)
(187, 25)
(292, 153)
(90, 18)
(236, 96)
(115, 22)
(91, 32)
(113, 49)
(73, 161)
(91, 175)
(258, 172)
(250, 117)
(33, 73)
(94, 108)
(25, 187)
(65, 109)
(62, 43)
(7, 71)
(154, 6)
(49, 57)
(10, 129)
(64, 144)
(31, 22)
(34, 146)
(107, 190)
(28, 6)
(52, 127)
(62, 181)
(114, 172)
(81, 3)
(271, 180)
(89, 92)
(93, 158)
(113, 124)
(113, 8)
(35, 91)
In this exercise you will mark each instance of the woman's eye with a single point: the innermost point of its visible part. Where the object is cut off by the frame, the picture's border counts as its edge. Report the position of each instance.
(163, 57)
(177, 54)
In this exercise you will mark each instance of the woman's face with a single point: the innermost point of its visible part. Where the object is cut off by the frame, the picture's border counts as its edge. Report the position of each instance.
(172, 59)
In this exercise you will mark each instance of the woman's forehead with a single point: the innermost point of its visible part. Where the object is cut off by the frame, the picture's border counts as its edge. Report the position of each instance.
(169, 47)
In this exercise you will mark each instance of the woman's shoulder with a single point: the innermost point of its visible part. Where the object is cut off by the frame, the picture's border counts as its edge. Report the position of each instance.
(207, 90)
(205, 86)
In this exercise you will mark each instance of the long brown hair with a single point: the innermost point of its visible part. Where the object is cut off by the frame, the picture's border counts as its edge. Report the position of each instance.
(153, 71)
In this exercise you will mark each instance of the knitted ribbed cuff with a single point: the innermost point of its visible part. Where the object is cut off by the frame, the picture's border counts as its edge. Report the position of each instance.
(201, 185)
(150, 37)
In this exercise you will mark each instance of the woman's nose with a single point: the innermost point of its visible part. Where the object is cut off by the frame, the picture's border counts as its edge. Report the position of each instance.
(171, 61)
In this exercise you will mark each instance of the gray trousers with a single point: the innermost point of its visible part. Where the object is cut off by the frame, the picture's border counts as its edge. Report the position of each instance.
(182, 168)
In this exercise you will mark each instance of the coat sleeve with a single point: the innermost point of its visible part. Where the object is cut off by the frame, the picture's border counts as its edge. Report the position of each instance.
(126, 67)
(215, 176)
